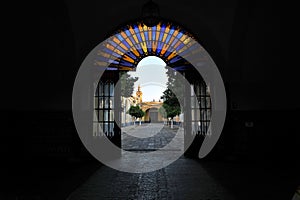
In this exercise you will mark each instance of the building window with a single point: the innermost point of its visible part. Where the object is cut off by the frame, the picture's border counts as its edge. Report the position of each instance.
(200, 107)
(104, 109)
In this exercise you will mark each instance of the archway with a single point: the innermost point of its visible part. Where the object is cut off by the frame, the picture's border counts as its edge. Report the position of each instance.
(127, 47)
(153, 115)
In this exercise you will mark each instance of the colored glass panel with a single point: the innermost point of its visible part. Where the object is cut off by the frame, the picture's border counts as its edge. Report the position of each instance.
(135, 41)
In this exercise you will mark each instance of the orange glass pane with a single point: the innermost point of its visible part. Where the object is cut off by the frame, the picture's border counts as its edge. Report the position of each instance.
(127, 58)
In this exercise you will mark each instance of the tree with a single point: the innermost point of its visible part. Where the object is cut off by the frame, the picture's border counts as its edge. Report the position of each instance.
(127, 84)
(162, 112)
(171, 105)
(171, 110)
(136, 112)
(126, 88)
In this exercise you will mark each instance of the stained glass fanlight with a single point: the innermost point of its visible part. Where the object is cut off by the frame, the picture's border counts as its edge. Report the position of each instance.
(134, 42)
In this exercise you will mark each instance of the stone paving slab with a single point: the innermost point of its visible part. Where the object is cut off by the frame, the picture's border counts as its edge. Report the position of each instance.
(184, 179)
(148, 137)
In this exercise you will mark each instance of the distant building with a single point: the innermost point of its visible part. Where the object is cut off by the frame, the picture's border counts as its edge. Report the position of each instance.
(150, 108)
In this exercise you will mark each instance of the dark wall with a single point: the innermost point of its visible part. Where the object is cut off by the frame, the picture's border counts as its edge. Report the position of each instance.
(243, 37)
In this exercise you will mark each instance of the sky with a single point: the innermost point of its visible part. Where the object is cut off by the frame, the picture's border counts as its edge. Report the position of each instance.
(152, 78)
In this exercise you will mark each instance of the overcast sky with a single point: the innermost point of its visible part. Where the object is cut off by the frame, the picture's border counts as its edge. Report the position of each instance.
(152, 78)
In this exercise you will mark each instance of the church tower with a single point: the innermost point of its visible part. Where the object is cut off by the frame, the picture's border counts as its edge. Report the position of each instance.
(139, 95)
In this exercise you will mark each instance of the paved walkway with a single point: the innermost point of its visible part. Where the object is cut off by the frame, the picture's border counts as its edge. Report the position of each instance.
(185, 178)
(149, 137)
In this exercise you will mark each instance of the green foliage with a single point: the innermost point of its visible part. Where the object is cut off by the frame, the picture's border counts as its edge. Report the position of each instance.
(127, 84)
(136, 111)
(162, 112)
(171, 110)
(171, 106)
(140, 114)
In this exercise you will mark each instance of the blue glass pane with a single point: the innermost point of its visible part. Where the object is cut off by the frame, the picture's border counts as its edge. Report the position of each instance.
(161, 36)
(113, 61)
(139, 48)
(149, 46)
(111, 52)
(168, 38)
(159, 46)
(180, 46)
(112, 43)
(112, 69)
(103, 59)
(126, 44)
(121, 49)
(167, 54)
(146, 35)
(130, 54)
(137, 32)
(132, 40)
(125, 63)
(139, 37)
(120, 37)
(108, 51)
(179, 35)
(171, 31)
(176, 58)
(128, 33)
(163, 27)
(174, 42)
(153, 32)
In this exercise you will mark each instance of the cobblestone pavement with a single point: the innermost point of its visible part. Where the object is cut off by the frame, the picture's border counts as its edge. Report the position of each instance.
(148, 137)
(183, 179)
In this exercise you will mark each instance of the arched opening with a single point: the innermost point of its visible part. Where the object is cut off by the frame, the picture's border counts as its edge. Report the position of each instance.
(151, 82)
(152, 78)
(143, 86)
(153, 115)
(152, 52)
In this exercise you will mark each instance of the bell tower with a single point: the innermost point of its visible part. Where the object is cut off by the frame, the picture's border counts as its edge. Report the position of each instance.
(139, 95)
